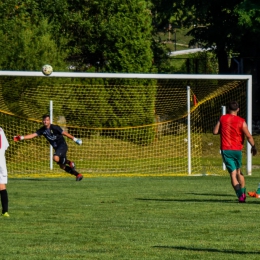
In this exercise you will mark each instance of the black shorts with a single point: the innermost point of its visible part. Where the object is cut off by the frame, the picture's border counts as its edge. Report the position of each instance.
(61, 150)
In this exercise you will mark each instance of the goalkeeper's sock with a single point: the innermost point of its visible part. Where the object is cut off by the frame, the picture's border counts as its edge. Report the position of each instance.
(71, 164)
(71, 171)
(74, 172)
(68, 170)
(4, 201)
(68, 162)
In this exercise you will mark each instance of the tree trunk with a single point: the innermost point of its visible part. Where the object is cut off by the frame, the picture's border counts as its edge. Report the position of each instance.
(222, 61)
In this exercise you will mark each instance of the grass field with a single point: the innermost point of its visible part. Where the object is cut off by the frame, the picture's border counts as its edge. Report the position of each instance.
(130, 218)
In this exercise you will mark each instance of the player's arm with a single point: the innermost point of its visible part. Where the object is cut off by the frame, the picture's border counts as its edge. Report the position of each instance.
(250, 138)
(76, 140)
(216, 128)
(25, 137)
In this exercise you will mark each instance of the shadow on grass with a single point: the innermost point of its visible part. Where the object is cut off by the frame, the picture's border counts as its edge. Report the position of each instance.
(208, 250)
(39, 179)
(189, 200)
(211, 194)
(200, 200)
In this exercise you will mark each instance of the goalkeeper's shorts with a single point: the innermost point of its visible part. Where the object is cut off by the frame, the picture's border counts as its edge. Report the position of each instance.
(61, 150)
(232, 159)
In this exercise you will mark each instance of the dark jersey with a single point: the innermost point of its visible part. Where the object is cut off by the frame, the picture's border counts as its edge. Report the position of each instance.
(53, 135)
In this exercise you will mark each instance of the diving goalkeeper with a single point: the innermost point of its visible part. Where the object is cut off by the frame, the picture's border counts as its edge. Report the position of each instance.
(54, 134)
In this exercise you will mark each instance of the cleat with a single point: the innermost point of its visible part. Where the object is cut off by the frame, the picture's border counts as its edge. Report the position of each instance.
(242, 198)
(79, 177)
(72, 165)
(253, 194)
(5, 215)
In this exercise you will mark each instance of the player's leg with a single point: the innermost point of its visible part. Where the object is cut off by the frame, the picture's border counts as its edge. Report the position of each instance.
(71, 171)
(4, 200)
(61, 161)
(4, 195)
(60, 158)
(3, 191)
(237, 180)
(71, 164)
(256, 193)
(61, 153)
(234, 182)
(56, 158)
(229, 158)
(242, 182)
(240, 177)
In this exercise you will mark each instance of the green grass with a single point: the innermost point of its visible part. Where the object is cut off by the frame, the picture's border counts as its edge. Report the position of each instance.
(130, 218)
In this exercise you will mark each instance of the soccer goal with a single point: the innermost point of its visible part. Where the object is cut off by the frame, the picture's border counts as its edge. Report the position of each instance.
(130, 124)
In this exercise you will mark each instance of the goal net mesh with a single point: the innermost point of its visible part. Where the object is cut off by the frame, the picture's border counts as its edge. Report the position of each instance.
(128, 126)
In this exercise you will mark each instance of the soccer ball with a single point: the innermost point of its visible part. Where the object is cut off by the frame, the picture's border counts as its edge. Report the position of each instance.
(47, 70)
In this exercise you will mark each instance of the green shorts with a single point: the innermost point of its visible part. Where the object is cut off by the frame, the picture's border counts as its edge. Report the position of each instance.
(232, 159)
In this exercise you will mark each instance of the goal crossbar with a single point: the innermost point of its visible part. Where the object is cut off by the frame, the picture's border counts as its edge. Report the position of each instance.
(124, 75)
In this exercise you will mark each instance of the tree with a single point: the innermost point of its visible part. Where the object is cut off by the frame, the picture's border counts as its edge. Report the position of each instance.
(27, 47)
(216, 27)
(27, 40)
(116, 35)
(224, 26)
(249, 23)
(176, 12)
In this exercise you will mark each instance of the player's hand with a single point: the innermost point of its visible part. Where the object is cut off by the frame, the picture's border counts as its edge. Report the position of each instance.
(18, 138)
(77, 141)
(253, 150)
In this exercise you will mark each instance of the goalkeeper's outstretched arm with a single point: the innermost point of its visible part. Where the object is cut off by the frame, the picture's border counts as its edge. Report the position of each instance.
(25, 137)
(76, 140)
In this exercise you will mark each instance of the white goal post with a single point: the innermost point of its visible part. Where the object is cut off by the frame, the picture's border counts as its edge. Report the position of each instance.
(246, 78)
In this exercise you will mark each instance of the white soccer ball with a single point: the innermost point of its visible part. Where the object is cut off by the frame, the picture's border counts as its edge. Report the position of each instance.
(47, 70)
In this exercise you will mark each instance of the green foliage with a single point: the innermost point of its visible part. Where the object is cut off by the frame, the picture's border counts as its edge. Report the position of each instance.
(225, 26)
(247, 44)
(249, 14)
(116, 39)
(118, 36)
(182, 13)
(215, 26)
(201, 63)
(31, 47)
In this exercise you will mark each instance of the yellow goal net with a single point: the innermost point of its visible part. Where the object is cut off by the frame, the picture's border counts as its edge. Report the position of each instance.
(130, 124)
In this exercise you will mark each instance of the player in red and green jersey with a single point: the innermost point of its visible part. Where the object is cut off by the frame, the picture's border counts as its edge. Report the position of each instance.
(233, 129)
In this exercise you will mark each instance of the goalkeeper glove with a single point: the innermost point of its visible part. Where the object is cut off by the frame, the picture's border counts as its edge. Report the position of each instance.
(77, 141)
(18, 138)
(253, 150)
